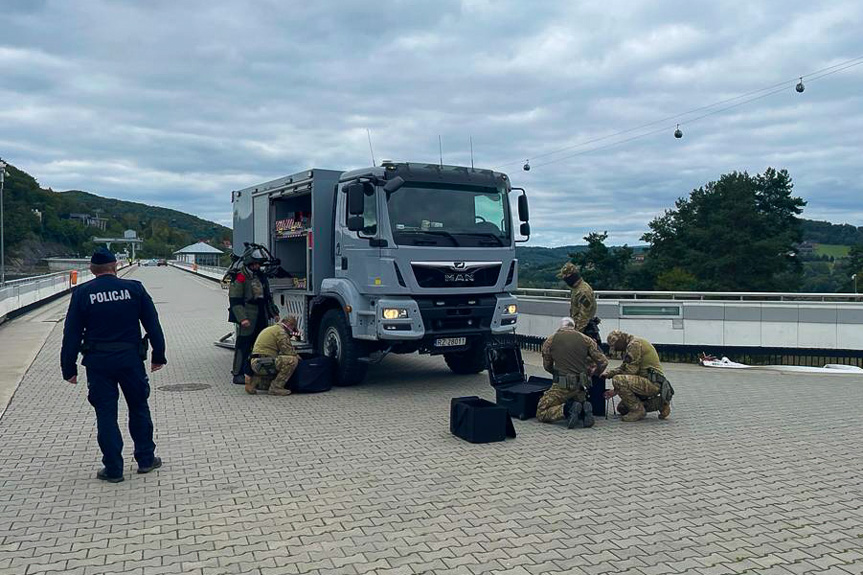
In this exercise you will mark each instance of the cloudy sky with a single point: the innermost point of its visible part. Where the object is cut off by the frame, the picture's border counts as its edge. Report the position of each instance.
(177, 103)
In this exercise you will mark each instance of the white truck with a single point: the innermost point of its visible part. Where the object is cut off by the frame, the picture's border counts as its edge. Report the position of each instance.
(399, 258)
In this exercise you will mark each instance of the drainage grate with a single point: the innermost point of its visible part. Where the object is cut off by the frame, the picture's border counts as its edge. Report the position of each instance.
(184, 387)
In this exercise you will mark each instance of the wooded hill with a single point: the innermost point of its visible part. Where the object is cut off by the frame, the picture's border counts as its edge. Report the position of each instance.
(38, 223)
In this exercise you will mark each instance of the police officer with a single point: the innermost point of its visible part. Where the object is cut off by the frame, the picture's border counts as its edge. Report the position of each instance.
(571, 357)
(104, 323)
(251, 307)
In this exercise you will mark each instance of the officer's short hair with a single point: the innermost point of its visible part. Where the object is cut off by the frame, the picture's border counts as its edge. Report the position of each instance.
(99, 269)
(567, 322)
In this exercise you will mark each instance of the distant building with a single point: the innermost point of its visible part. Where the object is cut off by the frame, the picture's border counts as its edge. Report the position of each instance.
(200, 253)
(91, 221)
(806, 248)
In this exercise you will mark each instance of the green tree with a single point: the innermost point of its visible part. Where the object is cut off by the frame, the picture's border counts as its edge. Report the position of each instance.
(735, 234)
(676, 279)
(602, 267)
(850, 266)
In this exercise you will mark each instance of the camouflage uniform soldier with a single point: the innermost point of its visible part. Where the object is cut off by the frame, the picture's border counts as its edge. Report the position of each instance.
(582, 306)
(571, 357)
(274, 355)
(639, 378)
(251, 306)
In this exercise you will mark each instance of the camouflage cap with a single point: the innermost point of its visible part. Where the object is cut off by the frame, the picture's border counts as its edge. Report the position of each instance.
(615, 337)
(567, 270)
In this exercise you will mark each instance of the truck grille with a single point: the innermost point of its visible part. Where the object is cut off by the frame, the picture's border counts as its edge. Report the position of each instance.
(453, 315)
(449, 276)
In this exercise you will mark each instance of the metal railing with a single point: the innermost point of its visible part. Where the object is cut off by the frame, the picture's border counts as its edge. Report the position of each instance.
(212, 272)
(20, 293)
(563, 294)
(17, 294)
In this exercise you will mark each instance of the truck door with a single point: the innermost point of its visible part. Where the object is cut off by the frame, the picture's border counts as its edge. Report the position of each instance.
(355, 258)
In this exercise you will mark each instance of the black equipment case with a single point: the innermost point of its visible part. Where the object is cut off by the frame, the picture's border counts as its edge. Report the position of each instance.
(506, 376)
(313, 375)
(479, 421)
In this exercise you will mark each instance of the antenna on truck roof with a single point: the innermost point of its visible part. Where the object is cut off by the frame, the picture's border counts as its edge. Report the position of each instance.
(440, 149)
(372, 150)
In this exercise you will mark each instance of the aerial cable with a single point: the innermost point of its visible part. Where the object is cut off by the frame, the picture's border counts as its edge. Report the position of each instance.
(691, 120)
(817, 74)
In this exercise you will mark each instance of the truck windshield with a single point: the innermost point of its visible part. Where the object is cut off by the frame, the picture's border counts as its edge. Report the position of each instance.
(449, 215)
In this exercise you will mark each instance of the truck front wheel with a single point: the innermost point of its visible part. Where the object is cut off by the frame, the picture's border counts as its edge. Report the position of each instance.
(467, 362)
(335, 340)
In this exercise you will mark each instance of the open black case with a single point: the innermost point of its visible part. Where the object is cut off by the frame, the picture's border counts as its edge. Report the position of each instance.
(518, 394)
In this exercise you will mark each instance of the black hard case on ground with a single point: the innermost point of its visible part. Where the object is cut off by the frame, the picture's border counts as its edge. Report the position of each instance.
(597, 396)
(479, 421)
(506, 375)
(313, 375)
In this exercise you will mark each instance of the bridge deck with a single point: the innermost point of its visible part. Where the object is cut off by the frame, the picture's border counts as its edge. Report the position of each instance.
(755, 472)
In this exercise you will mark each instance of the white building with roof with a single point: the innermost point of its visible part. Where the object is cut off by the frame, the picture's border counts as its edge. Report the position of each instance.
(200, 253)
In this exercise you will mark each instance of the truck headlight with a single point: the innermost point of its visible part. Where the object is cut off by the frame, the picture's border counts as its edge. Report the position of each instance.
(394, 313)
(512, 309)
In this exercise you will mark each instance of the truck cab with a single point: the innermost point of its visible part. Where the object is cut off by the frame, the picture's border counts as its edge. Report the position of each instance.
(398, 258)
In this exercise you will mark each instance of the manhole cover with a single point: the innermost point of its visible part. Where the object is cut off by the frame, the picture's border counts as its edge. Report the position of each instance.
(184, 387)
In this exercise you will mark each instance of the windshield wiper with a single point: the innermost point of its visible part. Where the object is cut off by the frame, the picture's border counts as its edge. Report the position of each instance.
(443, 233)
(484, 235)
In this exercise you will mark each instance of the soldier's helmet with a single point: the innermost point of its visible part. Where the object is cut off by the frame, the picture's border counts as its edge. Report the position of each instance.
(567, 270)
(614, 338)
(256, 256)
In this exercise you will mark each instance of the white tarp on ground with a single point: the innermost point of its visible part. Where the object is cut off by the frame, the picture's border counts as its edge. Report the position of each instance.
(830, 368)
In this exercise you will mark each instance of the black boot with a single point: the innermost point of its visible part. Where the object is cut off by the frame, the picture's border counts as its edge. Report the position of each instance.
(572, 412)
(239, 379)
(588, 419)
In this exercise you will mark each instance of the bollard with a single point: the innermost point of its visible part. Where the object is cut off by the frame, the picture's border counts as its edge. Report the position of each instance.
(73, 277)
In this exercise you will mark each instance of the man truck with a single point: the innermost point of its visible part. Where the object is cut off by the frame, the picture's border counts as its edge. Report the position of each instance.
(399, 258)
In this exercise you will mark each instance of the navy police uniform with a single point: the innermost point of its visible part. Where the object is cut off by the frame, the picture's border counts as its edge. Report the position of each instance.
(103, 323)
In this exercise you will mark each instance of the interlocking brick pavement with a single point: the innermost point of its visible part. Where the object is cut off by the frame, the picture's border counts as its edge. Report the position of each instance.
(754, 473)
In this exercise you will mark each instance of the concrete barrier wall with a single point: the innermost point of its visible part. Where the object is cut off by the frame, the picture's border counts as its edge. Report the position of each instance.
(770, 324)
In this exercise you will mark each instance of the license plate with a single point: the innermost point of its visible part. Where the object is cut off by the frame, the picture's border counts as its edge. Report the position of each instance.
(450, 341)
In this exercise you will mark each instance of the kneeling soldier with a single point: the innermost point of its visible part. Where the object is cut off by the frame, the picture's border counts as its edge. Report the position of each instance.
(639, 380)
(274, 355)
(571, 357)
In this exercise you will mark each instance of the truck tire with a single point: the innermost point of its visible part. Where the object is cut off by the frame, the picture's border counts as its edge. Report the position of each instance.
(467, 362)
(335, 340)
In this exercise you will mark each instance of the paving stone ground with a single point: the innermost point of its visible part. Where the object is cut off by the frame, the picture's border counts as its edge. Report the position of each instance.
(755, 473)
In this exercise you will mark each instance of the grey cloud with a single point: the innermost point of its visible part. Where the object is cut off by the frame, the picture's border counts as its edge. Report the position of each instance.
(177, 103)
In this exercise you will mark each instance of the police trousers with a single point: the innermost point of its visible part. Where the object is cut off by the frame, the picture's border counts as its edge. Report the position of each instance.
(106, 375)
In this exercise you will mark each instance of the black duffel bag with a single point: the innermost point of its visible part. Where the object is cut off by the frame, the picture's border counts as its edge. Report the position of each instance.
(313, 375)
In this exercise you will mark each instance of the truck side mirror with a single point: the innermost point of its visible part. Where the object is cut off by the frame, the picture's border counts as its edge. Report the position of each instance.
(355, 199)
(525, 229)
(356, 223)
(394, 184)
(523, 212)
